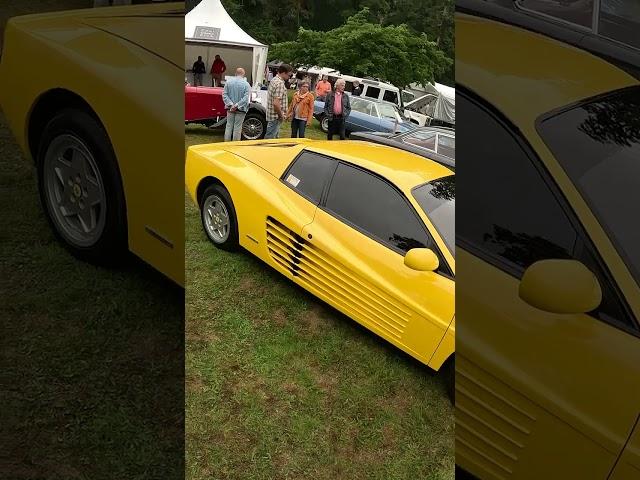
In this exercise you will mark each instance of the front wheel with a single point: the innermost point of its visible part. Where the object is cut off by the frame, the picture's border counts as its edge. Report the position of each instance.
(80, 187)
(324, 124)
(254, 126)
(218, 217)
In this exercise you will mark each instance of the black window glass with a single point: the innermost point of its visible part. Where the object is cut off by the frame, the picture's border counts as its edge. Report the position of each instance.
(598, 145)
(373, 92)
(390, 96)
(438, 200)
(375, 207)
(508, 211)
(309, 175)
(620, 20)
(579, 12)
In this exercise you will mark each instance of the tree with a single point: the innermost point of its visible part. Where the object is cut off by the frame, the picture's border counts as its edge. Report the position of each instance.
(361, 48)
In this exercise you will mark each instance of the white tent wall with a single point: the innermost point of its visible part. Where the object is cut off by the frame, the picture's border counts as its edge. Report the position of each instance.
(210, 24)
(233, 57)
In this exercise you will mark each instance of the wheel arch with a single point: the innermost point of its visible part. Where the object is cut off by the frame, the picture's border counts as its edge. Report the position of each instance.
(45, 108)
(205, 183)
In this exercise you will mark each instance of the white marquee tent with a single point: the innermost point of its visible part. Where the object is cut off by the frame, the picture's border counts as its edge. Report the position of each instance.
(210, 31)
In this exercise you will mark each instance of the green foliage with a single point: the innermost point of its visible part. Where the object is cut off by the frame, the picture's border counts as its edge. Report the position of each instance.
(278, 21)
(362, 48)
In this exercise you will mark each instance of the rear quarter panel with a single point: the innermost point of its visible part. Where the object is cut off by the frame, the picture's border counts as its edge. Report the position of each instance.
(111, 75)
(256, 195)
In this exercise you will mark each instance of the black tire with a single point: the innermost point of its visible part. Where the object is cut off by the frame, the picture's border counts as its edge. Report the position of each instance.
(109, 243)
(231, 243)
(324, 123)
(449, 378)
(251, 119)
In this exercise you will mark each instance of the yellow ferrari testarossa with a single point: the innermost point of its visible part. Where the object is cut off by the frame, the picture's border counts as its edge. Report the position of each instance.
(367, 228)
(101, 118)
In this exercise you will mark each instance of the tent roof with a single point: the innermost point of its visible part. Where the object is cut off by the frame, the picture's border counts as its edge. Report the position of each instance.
(446, 91)
(219, 27)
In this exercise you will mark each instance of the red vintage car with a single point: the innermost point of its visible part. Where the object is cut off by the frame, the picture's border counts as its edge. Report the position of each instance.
(204, 105)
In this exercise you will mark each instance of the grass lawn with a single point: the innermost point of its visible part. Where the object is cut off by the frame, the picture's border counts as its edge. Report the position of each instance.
(281, 386)
(91, 359)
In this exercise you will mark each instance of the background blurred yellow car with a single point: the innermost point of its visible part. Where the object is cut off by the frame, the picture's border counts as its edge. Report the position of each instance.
(367, 228)
(100, 115)
(548, 351)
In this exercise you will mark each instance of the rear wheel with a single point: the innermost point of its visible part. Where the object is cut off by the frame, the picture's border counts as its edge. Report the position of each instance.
(254, 126)
(80, 187)
(218, 217)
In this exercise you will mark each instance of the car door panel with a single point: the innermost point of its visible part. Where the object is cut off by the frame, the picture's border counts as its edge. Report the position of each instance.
(530, 383)
(628, 466)
(372, 285)
(521, 395)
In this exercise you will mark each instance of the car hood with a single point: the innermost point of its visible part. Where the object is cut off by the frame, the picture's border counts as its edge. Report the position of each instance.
(148, 26)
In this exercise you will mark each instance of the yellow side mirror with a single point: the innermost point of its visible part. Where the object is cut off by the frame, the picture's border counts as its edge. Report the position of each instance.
(422, 259)
(560, 286)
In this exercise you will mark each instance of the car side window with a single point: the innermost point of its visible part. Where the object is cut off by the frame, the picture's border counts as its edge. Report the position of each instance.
(390, 96)
(422, 139)
(358, 105)
(509, 213)
(578, 12)
(447, 146)
(511, 216)
(374, 207)
(309, 174)
(372, 92)
(620, 21)
(372, 110)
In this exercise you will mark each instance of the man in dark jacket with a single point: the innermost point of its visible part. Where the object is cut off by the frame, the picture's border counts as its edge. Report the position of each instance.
(357, 88)
(199, 69)
(337, 108)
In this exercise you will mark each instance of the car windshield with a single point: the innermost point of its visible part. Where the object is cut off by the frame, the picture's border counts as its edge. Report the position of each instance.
(597, 143)
(389, 111)
(438, 200)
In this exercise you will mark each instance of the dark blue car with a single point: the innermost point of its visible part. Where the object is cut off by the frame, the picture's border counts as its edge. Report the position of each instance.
(367, 116)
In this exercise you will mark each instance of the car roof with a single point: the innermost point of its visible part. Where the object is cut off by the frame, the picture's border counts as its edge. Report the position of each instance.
(525, 74)
(404, 169)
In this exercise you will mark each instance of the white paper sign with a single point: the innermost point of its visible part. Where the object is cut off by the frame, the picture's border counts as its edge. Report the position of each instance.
(293, 180)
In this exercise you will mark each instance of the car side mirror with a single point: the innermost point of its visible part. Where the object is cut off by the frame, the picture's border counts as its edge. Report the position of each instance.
(422, 260)
(560, 286)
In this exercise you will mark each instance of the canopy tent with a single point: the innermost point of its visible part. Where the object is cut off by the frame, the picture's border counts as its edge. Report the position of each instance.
(442, 108)
(210, 31)
(445, 106)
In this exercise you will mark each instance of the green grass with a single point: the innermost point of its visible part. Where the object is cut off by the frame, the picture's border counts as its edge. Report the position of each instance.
(91, 359)
(280, 386)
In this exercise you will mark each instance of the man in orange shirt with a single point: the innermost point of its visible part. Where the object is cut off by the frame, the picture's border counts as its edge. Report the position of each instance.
(323, 87)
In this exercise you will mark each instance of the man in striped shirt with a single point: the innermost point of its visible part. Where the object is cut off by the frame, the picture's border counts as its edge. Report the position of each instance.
(277, 101)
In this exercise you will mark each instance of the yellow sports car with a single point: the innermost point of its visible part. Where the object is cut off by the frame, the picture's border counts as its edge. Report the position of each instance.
(548, 348)
(367, 228)
(100, 116)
